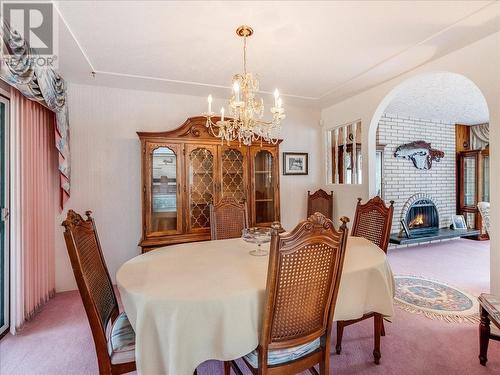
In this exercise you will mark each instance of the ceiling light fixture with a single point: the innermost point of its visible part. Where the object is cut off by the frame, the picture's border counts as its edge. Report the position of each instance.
(246, 110)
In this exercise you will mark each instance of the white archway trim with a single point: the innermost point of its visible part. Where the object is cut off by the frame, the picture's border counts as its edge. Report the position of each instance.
(381, 108)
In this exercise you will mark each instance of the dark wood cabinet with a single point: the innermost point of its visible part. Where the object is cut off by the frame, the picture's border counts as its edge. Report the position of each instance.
(187, 169)
(473, 186)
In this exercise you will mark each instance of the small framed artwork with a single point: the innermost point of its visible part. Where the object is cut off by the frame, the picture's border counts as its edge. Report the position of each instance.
(295, 163)
(458, 222)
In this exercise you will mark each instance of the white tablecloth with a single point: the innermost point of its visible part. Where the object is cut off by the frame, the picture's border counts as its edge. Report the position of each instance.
(193, 302)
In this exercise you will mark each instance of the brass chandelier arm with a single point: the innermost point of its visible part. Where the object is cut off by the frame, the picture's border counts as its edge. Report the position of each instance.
(257, 122)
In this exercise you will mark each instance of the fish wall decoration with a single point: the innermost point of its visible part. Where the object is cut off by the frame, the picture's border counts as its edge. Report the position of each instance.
(420, 152)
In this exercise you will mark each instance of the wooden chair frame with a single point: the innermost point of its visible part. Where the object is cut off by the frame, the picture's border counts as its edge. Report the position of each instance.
(75, 225)
(215, 220)
(377, 204)
(488, 314)
(320, 194)
(275, 332)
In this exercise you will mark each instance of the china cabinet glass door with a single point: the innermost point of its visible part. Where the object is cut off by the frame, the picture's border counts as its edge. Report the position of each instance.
(264, 187)
(233, 174)
(165, 190)
(474, 186)
(469, 180)
(485, 188)
(201, 183)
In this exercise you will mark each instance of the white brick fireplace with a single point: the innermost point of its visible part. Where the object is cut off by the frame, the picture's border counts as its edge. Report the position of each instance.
(401, 180)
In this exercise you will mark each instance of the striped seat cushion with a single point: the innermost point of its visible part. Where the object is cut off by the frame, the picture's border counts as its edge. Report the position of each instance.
(121, 341)
(275, 357)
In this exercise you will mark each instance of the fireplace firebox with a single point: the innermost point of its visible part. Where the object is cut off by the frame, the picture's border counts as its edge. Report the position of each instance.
(422, 218)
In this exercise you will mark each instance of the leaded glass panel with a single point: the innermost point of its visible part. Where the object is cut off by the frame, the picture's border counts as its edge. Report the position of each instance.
(232, 174)
(201, 178)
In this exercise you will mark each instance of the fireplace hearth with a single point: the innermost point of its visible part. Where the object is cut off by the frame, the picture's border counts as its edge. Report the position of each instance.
(420, 216)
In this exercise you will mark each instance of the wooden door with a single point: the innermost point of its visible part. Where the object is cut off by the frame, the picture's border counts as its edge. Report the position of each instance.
(233, 173)
(202, 185)
(264, 169)
(162, 189)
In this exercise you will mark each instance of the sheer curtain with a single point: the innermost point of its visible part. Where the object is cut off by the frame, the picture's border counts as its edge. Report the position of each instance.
(34, 186)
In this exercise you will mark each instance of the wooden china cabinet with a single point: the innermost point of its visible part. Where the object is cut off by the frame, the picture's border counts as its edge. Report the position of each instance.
(187, 169)
(473, 186)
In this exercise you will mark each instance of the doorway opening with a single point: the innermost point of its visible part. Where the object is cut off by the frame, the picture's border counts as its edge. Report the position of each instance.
(4, 215)
(432, 150)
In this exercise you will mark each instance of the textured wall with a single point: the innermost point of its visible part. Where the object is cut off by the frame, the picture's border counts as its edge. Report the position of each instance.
(401, 179)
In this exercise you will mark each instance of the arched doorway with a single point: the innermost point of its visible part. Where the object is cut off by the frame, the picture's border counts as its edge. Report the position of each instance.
(431, 109)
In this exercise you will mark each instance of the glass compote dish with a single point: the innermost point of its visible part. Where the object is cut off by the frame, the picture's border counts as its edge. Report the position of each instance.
(258, 236)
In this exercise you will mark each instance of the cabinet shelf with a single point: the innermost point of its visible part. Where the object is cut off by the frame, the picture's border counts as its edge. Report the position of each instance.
(264, 200)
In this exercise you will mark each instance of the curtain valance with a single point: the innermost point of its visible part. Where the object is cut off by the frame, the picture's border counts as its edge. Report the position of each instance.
(42, 84)
(480, 136)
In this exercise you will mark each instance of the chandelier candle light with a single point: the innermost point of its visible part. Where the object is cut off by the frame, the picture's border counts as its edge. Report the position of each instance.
(245, 108)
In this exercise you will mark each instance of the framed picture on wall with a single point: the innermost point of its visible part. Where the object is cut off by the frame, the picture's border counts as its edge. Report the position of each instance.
(458, 222)
(295, 163)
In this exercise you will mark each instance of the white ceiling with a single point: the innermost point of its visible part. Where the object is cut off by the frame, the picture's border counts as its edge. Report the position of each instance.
(312, 51)
(446, 97)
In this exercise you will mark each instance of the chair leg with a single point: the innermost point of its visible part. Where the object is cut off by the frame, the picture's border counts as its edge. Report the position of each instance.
(324, 365)
(382, 332)
(377, 332)
(484, 337)
(340, 333)
(227, 368)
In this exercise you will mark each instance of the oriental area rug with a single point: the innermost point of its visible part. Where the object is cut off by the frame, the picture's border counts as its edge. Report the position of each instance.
(435, 300)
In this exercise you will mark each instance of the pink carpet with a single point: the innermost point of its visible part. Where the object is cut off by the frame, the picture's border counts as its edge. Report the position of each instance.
(58, 340)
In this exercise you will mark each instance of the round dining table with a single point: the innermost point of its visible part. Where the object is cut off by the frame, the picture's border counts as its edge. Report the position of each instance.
(194, 302)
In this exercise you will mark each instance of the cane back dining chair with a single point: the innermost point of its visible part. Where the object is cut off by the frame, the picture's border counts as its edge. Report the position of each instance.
(320, 201)
(373, 221)
(114, 338)
(227, 219)
(303, 278)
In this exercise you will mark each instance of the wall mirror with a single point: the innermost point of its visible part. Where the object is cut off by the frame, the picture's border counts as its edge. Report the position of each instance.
(345, 162)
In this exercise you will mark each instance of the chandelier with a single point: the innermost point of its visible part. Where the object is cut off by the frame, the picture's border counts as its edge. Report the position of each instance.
(246, 110)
